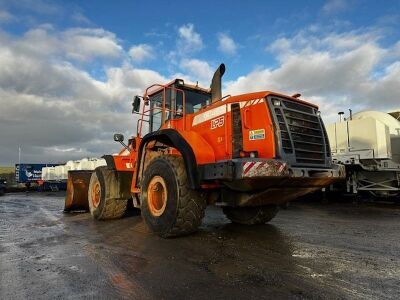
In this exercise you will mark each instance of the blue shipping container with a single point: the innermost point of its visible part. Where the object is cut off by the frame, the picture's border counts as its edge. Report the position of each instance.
(25, 173)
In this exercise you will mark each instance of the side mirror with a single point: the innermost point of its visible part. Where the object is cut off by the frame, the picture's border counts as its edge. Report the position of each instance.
(118, 137)
(136, 104)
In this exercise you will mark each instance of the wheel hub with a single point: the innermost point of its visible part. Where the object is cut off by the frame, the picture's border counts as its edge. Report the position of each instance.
(157, 196)
(96, 194)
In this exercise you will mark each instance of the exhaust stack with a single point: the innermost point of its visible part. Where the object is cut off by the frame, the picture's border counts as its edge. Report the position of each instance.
(216, 90)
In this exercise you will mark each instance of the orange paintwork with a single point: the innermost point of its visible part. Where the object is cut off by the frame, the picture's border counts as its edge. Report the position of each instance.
(209, 130)
(126, 160)
(252, 121)
(203, 151)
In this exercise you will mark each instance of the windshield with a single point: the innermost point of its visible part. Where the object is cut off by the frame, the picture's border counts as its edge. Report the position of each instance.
(194, 100)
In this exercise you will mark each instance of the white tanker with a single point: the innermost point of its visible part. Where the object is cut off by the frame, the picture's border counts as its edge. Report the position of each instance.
(368, 144)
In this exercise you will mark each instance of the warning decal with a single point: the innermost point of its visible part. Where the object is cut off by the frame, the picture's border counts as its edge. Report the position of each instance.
(257, 134)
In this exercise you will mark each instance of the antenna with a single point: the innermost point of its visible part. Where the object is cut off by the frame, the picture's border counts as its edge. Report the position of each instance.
(297, 95)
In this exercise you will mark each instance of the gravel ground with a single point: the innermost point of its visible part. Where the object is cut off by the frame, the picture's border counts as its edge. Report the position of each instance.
(309, 251)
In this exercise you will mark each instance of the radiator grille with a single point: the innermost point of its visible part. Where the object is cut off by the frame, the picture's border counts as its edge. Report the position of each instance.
(301, 132)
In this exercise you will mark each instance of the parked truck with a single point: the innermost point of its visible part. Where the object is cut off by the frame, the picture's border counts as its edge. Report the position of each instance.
(28, 174)
(247, 153)
(368, 145)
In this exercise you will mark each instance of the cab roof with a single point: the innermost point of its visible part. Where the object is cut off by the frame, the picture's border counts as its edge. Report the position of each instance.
(179, 83)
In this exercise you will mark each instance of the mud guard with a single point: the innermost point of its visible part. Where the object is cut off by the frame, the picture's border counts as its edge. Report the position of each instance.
(172, 138)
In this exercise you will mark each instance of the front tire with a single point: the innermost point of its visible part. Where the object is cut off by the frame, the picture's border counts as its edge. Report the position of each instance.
(169, 206)
(102, 208)
(251, 215)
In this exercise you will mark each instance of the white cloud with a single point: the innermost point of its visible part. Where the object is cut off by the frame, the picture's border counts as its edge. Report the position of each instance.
(279, 45)
(198, 70)
(6, 17)
(140, 53)
(86, 43)
(80, 18)
(79, 44)
(49, 104)
(338, 71)
(334, 6)
(189, 39)
(226, 44)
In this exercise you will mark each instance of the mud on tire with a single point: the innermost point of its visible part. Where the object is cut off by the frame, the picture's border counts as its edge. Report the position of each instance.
(102, 208)
(251, 215)
(184, 208)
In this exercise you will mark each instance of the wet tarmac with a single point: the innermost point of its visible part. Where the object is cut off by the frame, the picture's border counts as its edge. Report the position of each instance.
(309, 251)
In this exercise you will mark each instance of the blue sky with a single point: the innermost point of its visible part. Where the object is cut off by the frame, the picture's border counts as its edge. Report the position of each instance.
(83, 61)
(252, 25)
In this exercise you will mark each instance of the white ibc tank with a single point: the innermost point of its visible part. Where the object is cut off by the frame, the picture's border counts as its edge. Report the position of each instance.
(388, 120)
(369, 135)
(91, 163)
(61, 172)
(48, 173)
(72, 165)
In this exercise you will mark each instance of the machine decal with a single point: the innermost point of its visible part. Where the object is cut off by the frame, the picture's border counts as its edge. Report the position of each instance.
(257, 134)
(218, 122)
(208, 115)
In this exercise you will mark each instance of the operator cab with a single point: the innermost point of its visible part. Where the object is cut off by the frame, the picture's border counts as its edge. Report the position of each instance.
(166, 103)
(176, 93)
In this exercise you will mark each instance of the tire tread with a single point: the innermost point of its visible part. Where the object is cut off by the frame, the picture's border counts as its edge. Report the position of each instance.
(191, 203)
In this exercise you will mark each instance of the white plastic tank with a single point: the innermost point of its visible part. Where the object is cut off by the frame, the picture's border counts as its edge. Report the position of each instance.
(393, 125)
(61, 172)
(72, 164)
(91, 163)
(388, 120)
(48, 173)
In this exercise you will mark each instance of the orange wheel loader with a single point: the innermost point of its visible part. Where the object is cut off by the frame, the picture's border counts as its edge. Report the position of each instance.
(247, 153)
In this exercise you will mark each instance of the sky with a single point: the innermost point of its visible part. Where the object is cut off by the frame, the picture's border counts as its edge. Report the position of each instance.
(69, 70)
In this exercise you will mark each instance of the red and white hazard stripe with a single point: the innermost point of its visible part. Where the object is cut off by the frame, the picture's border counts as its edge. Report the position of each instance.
(249, 166)
(251, 102)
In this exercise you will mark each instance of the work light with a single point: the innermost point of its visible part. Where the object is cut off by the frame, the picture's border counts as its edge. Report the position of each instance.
(276, 102)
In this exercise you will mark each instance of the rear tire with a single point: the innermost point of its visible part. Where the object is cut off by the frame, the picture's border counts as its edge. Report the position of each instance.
(102, 208)
(169, 206)
(251, 215)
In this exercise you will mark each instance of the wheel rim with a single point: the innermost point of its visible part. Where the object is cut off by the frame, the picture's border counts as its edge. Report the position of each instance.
(96, 194)
(157, 196)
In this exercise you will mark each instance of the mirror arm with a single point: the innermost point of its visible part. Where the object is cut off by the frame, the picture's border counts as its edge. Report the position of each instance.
(125, 146)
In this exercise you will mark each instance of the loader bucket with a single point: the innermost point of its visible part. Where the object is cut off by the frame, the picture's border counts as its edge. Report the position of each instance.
(76, 198)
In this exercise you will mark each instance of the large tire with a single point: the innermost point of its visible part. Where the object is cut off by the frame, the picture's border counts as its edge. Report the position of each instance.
(251, 215)
(102, 208)
(169, 206)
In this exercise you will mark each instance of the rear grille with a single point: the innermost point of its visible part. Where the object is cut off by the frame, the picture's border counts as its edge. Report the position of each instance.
(302, 135)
